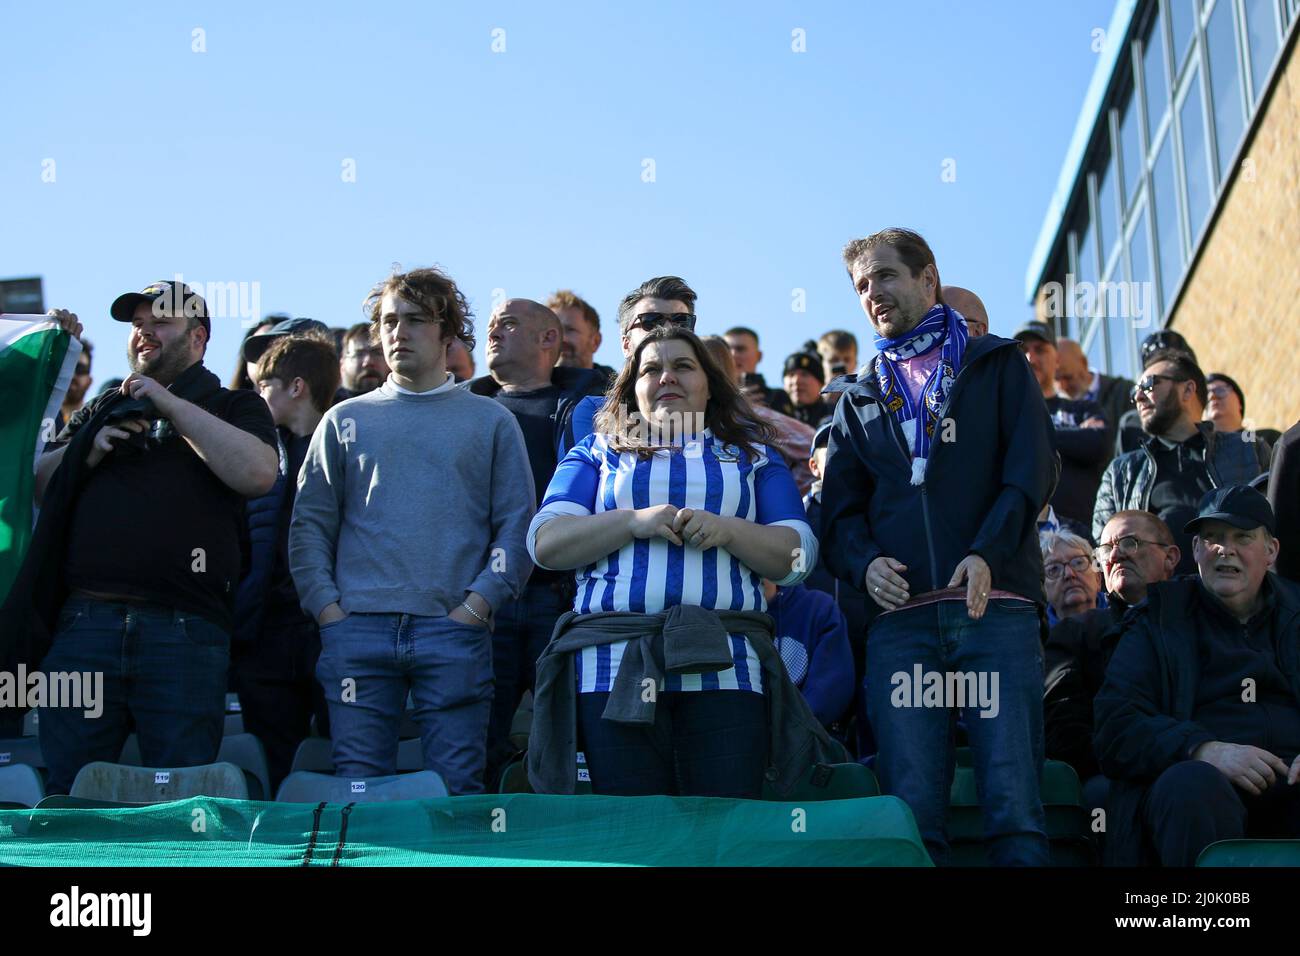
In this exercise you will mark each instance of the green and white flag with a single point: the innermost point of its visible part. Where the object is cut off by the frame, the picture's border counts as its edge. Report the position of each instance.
(37, 361)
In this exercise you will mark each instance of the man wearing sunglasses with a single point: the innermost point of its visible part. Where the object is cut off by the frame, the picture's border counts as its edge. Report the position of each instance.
(1136, 550)
(1130, 434)
(662, 301)
(1181, 458)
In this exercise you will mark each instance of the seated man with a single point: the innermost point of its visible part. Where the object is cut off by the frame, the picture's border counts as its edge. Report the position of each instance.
(1070, 571)
(1198, 721)
(1136, 551)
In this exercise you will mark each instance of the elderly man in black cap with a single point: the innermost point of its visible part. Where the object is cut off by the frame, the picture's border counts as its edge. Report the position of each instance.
(137, 553)
(804, 376)
(1198, 720)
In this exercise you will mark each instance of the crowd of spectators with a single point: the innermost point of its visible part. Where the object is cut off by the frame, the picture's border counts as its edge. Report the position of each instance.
(706, 583)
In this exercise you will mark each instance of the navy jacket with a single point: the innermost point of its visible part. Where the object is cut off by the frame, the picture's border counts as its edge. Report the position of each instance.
(1144, 710)
(813, 641)
(575, 385)
(982, 492)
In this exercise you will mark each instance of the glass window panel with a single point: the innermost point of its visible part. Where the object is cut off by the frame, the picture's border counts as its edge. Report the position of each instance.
(1096, 347)
(1144, 315)
(1195, 160)
(1087, 270)
(1182, 23)
(1261, 26)
(1153, 78)
(1132, 149)
(1107, 208)
(1168, 237)
(1225, 83)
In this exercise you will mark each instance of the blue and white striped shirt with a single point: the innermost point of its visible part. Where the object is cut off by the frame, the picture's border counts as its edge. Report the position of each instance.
(647, 576)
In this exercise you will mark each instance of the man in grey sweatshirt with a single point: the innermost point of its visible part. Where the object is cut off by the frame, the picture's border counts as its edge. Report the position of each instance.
(407, 534)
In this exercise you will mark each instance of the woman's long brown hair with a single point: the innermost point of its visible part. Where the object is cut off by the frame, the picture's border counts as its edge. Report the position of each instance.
(727, 414)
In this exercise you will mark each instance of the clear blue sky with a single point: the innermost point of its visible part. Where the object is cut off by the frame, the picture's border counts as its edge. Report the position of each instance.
(523, 170)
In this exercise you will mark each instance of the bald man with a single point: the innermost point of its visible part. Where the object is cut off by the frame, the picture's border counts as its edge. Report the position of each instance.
(1076, 381)
(523, 341)
(969, 305)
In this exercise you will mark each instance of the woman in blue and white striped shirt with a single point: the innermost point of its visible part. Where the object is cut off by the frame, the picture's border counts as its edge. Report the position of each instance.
(680, 503)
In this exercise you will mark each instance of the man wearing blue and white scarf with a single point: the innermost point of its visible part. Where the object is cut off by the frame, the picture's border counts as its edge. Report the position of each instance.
(940, 459)
(943, 329)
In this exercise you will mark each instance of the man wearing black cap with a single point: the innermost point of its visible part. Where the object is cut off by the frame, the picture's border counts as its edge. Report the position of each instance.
(1079, 432)
(804, 376)
(1198, 720)
(140, 543)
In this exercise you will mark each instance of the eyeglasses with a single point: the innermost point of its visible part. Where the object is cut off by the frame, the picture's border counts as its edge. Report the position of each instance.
(1125, 546)
(1148, 384)
(1078, 564)
(653, 320)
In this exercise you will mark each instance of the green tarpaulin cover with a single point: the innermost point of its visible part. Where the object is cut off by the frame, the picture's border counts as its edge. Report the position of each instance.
(488, 830)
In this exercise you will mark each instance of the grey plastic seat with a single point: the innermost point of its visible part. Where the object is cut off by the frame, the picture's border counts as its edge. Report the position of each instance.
(315, 754)
(243, 750)
(307, 787)
(143, 785)
(21, 787)
(32, 723)
(14, 750)
(246, 752)
(234, 724)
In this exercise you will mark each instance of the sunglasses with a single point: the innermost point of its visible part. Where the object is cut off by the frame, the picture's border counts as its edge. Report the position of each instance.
(654, 320)
(1148, 384)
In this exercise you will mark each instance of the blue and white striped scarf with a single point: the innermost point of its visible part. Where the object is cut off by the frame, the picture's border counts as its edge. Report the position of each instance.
(941, 328)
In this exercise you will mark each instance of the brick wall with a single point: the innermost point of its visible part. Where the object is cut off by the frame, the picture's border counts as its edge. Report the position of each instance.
(1240, 306)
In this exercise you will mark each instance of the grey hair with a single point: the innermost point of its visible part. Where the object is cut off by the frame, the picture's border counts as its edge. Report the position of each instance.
(1049, 540)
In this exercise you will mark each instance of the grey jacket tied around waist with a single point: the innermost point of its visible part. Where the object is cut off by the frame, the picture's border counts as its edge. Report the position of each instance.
(681, 640)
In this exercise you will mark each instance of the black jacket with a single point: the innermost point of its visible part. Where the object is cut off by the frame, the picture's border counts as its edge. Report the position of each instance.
(982, 492)
(1144, 711)
(1284, 496)
(574, 384)
(29, 617)
(1074, 665)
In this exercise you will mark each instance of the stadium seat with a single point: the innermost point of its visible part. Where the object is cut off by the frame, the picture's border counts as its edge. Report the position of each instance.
(514, 777)
(1251, 853)
(246, 752)
(839, 781)
(145, 785)
(1067, 820)
(32, 723)
(232, 703)
(21, 787)
(234, 724)
(21, 750)
(315, 754)
(243, 750)
(307, 787)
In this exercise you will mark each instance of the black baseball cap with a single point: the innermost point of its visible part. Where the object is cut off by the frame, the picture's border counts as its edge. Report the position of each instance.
(1164, 339)
(1036, 330)
(255, 346)
(822, 437)
(179, 298)
(1239, 505)
(810, 363)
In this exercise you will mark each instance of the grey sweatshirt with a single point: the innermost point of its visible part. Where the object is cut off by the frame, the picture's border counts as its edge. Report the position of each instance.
(407, 501)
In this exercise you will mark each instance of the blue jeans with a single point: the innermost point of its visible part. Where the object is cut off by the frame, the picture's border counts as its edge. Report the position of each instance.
(162, 668)
(708, 743)
(369, 662)
(915, 758)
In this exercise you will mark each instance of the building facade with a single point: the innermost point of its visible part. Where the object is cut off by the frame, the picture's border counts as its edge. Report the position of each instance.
(1179, 202)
